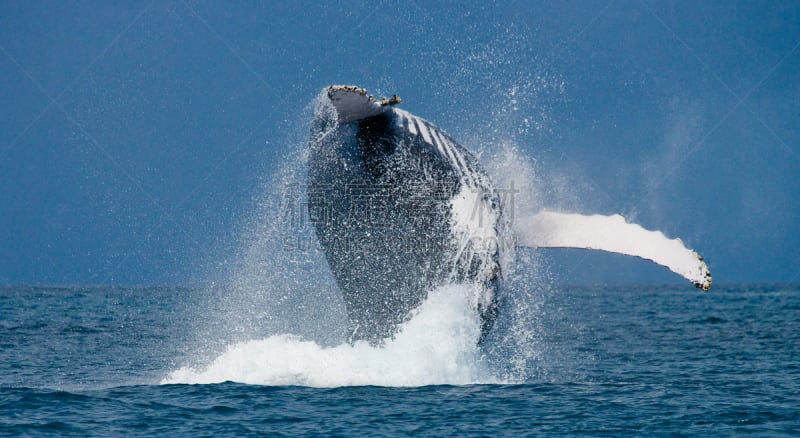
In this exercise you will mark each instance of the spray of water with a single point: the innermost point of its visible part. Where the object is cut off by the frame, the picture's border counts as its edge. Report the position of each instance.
(279, 320)
(437, 346)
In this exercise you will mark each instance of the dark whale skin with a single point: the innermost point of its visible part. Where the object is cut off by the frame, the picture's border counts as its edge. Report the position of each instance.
(379, 201)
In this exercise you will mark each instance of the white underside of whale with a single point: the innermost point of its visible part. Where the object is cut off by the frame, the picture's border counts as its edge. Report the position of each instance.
(550, 229)
(353, 103)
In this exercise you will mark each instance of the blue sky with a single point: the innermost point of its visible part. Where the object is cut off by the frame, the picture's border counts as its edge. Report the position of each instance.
(135, 137)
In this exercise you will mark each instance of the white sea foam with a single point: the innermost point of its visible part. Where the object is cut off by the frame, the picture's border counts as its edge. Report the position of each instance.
(437, 346)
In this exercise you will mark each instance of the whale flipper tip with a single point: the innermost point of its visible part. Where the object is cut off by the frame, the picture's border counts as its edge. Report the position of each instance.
(705, 283)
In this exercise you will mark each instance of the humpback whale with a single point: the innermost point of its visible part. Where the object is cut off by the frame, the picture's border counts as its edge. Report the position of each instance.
(400, 207)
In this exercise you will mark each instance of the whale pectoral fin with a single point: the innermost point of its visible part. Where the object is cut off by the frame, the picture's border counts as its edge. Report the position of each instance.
(613, 234)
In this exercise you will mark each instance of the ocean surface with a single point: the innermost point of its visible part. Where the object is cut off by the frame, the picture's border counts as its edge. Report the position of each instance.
(602, 360)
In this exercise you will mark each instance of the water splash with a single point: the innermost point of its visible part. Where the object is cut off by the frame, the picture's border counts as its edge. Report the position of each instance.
(280, 321)
(437, 346)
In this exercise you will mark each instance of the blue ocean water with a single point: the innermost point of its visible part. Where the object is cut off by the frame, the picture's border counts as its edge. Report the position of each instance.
(634, 359)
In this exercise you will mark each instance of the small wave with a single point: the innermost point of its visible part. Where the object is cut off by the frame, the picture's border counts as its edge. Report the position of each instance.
(437, 346)
(710, 320)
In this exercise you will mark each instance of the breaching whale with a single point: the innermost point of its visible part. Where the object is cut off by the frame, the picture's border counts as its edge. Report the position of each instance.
(399, 207)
